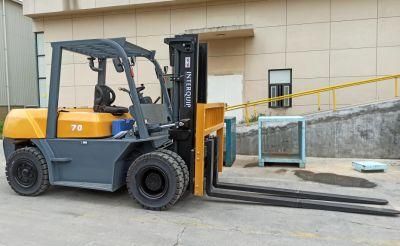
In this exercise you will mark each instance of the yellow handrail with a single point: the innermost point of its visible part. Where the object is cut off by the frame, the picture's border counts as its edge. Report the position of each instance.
(318, 92)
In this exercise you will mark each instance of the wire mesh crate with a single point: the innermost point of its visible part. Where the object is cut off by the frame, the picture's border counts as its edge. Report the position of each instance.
(282, 139)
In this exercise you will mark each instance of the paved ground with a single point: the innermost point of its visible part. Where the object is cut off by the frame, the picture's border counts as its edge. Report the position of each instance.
(67, 216)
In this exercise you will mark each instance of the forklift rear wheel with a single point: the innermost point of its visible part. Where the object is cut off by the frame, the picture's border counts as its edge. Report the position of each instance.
(182, 163)
(27, 172)
(155, 181)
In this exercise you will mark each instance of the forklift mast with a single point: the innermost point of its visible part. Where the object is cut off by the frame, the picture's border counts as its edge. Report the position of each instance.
(188, 59)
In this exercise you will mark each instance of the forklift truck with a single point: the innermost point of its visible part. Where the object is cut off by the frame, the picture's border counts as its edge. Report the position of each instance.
(174, 146)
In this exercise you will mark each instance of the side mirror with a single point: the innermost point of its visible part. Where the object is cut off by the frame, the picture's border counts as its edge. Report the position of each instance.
(118, 65)
(166, 69)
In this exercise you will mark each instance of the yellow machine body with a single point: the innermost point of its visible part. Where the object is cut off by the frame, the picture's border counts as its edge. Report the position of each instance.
(72, 123)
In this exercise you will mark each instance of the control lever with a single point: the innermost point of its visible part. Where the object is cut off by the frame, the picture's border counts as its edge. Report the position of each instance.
(140, 88)
(124, 90)
(156, 101)
(180, 124)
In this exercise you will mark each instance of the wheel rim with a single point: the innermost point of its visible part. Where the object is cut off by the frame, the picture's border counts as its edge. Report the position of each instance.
(152, 182)
(25, 173)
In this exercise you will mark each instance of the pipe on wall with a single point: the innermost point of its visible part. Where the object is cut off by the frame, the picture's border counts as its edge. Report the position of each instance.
(6, 55)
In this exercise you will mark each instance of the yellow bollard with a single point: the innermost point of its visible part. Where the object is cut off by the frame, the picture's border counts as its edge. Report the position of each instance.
(319, 101)
(396, 87)
(247, 115)
(334, 99)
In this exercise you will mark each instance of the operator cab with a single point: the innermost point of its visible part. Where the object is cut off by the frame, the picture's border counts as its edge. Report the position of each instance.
(104, 96)
(105, 118)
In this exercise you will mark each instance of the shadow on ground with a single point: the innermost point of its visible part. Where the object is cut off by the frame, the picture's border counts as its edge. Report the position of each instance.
(334, 179)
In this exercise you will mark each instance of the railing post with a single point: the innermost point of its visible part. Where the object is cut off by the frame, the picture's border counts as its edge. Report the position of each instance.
(396, 87)
(246, 112)
(319, 101)
(334, 99)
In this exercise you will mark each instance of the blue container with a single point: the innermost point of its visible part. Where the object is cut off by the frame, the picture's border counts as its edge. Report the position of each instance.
(121, 125)
(230, 141)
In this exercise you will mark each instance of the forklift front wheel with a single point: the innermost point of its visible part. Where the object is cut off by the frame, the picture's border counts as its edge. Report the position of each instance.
(155, 180)
(182, 163)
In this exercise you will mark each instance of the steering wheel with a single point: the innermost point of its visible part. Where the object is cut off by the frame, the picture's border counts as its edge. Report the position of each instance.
(100, 92)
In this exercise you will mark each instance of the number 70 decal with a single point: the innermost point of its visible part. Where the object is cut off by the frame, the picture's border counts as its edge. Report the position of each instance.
(76, 127)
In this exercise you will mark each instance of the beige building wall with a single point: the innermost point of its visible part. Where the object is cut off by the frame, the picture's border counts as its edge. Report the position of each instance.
(325, 42)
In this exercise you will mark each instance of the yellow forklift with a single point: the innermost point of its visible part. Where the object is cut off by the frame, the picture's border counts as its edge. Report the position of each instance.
(172, 145)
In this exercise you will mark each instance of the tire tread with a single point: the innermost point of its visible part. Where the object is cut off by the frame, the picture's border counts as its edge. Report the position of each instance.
(45, 184)
(182, 164)
(178, 173)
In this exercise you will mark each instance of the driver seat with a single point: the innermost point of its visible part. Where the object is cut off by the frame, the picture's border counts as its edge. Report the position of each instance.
(104, 97)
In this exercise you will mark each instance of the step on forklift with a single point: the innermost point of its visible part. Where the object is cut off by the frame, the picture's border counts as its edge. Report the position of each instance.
(174, 146)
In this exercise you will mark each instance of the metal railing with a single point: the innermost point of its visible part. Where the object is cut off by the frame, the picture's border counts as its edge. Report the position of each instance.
(317, 92)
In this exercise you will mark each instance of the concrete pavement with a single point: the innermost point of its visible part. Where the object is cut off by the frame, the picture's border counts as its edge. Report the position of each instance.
(69, 216)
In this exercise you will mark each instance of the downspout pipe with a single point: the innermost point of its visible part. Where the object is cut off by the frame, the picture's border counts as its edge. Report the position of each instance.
(6, 55)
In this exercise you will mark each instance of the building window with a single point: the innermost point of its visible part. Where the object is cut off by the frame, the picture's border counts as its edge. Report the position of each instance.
(41, 70)
(280, 84)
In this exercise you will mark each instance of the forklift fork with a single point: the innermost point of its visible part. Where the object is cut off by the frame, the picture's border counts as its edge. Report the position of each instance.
(284, 197)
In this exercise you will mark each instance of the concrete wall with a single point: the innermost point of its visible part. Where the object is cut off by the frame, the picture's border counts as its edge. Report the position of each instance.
(326, 42)
(368, 131)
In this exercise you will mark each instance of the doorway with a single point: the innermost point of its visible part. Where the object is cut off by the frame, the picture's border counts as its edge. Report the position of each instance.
(227, 89)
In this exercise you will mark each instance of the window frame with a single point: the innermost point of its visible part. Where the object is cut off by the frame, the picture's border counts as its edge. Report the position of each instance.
(280, 90)
(37, 55)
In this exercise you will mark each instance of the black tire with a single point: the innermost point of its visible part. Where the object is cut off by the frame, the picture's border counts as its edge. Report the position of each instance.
(182, 163)
(155, 181)
(27, 172)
